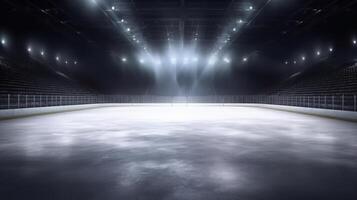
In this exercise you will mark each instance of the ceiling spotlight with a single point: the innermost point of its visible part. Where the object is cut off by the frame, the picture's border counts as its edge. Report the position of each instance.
(66, 62)
(3, 41)
(303, 58)
(294, 62)
(234, 29)
(185, 61)
(42, 53)
(122, 20)
(173, 60)
(128, 29)
(75, 62)
(226, 60)
(318, 53)
(245, 59)
(212, 60)
(113, 7)
(123, 59)
(286, 62)
(354, 42)
(250, 8)
(57, 58)
(240, 21)
(331, 49)
(29, 49)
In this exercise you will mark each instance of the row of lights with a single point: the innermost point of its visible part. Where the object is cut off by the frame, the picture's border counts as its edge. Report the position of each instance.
(317, 53)
(41, 52)
(185, 60)
(227, 37)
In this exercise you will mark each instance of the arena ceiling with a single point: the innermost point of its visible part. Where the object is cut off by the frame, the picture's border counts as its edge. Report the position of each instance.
(281, 31)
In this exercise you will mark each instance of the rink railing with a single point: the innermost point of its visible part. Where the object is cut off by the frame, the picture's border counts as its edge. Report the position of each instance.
(334, 102)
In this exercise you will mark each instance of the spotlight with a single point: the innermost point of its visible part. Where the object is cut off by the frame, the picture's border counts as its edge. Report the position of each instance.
(331, 49)
(173, 60)
(240, 21)
(42, 53)
(123, 59)
(66, 62)
(294, 62)
(57, 58)
(3, 41)
(318, 53)
(212, 60)
(226, 60)
(234, 29)
(245, 59)
(286, 62)
(75, 62)
(185, 61)
(128, 29)
(122, 20)
(303, 58)
(113, 7)
(354, 42)
(29, 49)
(250, 8)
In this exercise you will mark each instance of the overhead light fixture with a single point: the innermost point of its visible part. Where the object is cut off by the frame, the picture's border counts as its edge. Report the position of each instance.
(113, 7)
(57, 58)
(226, 60)
(331, 49)
(66, 62)
(75, 62)
(123, 59)
(318, 53)
(250, 8)
(29, 49)
(286, 62)
(245, 59)
(3, 41)
(42, 53)
(128, 29)
(303, 58)
(354, 42)
(234, 29)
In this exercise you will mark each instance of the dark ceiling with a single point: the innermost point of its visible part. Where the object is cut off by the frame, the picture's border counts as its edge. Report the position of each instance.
(277, 29)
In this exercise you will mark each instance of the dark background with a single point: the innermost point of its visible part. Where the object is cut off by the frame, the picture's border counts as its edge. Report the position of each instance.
(277, 31)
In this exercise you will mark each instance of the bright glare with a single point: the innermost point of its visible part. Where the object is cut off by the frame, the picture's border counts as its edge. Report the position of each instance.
(113, 8)
(57, 58)
(303, 58)
(331, 49)
(226, 60)
(42, 53)
(29, 49)
(3, 41)
(212, 60)
(128, 29)
(123, 59)
(318, 53)
(245, 59)
(354, 42)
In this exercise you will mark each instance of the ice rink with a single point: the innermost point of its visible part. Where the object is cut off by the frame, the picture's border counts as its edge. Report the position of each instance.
(178, 152)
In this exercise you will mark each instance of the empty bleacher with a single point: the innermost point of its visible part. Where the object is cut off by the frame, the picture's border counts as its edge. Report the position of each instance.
(36, 79)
